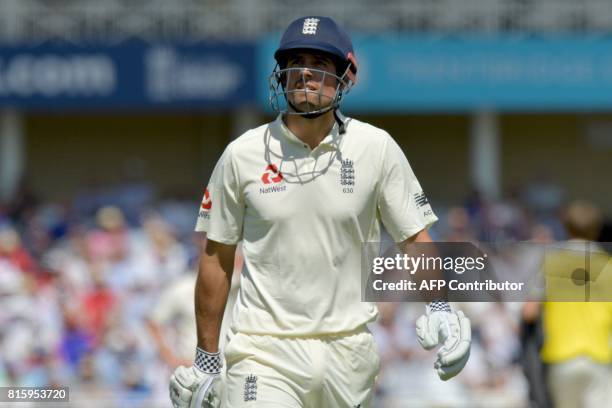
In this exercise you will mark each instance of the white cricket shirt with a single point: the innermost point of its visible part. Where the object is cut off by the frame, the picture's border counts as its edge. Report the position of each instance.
(302, 215)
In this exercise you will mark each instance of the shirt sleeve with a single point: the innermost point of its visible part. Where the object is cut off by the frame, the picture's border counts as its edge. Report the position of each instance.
(222, 210)
(403, 206)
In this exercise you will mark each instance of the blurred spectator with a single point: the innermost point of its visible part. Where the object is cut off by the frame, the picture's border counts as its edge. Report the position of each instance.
(577, 334)
(96, 306)
(394, 340)
(14, 253)
(459, 226)
(22, 204)
(543, 195)
(531, 335)
(532, 338)
(172, 320)
(109, 241)
(163, 256)
(76, 342)
(172, 323)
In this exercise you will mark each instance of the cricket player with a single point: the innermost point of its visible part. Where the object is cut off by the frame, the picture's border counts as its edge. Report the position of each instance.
(302, 193)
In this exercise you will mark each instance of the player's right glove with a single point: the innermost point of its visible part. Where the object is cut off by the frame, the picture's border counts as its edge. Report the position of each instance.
(199, 386)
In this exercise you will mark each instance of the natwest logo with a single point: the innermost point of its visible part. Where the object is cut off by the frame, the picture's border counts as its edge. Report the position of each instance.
(271, 175)
(206, 202)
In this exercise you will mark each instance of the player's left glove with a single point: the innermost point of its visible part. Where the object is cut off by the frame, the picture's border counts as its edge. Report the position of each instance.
(440, 325)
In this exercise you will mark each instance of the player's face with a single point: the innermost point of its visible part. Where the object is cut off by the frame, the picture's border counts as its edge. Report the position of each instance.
(311, 82)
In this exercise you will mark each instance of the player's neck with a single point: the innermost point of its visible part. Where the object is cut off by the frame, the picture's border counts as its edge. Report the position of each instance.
(310, 131)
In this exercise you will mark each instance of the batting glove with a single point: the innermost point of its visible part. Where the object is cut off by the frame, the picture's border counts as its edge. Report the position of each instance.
(441, 326)
(199, 386)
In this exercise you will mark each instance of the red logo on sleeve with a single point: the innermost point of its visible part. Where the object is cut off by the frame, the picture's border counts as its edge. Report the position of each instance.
(271, 175)
(207, 202)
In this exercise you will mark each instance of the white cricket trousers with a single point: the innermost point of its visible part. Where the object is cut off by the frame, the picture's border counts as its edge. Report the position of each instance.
(301, 372)
(580, 383)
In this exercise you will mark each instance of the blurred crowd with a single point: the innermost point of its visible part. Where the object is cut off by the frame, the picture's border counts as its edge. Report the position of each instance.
(79, 282)
(95, 293)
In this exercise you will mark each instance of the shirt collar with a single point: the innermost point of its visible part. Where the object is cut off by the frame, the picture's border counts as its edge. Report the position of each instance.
(331, 140)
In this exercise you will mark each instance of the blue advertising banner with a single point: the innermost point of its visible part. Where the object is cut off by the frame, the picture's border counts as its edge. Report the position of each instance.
(424, 73)
(132, 75)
